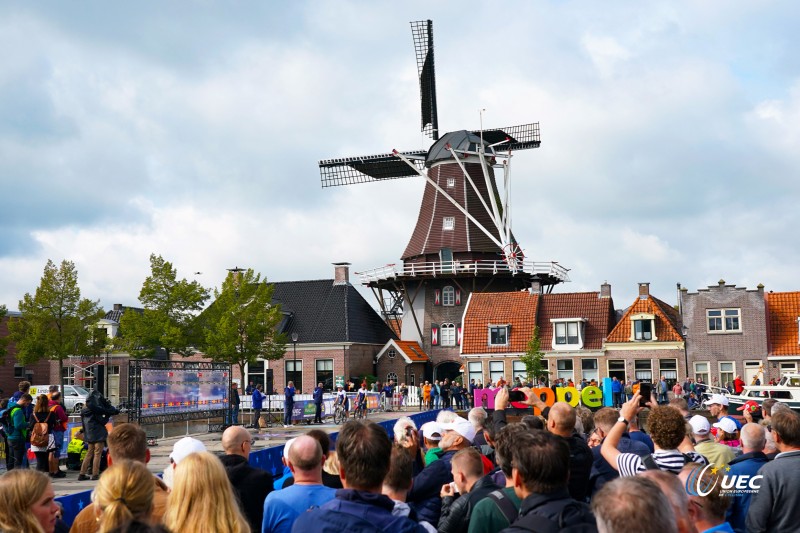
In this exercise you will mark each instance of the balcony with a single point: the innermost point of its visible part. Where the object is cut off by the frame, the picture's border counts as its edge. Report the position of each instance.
(548, 272)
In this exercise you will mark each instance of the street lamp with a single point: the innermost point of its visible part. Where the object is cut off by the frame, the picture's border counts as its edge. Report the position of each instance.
(294, 363)
(685, 332)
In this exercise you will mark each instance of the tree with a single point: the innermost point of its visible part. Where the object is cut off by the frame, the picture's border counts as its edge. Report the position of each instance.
(3, 340)
(170, 309)
(241, 325)
(535, 366)
(56, 322)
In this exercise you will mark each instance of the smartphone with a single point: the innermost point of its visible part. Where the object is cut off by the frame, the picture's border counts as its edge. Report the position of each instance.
(645, 389)
(516, 396)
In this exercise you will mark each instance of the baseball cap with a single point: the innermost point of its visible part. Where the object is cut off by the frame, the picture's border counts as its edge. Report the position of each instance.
(431, 430)
(718, 399)
(749, 406)
(727, 425)
(700, 425)
(185, 447)
(463, 427)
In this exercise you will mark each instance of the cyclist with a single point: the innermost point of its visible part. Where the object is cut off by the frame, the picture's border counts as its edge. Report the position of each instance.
(341, 399)
(361, 400)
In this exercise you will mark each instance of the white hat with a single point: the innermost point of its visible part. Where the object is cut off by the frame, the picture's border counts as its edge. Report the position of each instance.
(431, 430)
(718, 399)
(727, 425)
(185, 447)
(463, 427)
(287, 446)
(700, 425)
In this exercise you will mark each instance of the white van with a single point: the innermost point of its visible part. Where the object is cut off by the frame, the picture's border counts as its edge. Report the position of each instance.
(74, 396)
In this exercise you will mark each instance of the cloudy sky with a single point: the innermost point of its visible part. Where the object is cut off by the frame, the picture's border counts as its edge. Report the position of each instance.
(670, 136)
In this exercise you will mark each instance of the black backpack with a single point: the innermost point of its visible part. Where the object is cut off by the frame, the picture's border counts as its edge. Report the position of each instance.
(574, 517)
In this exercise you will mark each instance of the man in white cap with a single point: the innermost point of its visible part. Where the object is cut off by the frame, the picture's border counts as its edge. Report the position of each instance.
(424, 496)
(716, 453)
(718, 406)
(182, 449)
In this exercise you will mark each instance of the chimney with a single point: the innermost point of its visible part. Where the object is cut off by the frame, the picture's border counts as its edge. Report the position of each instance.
(644, 290)
(117, 307)
(341, 273)
(605, 290)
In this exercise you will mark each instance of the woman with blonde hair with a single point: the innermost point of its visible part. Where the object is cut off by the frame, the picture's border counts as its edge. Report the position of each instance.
(124, 494)
(27, 501)
(202, 498)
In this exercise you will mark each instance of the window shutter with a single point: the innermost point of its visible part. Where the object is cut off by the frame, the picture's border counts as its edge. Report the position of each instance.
(458, 296)
(458, 334)
(434, 334)
(437, 297)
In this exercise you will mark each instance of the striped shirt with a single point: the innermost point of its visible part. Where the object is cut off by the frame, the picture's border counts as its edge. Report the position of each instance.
(630, 464)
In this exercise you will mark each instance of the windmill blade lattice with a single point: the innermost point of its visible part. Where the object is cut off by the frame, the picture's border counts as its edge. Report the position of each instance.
(422, 31)
(365, 169)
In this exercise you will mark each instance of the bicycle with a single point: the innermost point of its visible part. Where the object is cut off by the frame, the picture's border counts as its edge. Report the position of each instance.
(360, 412)
(339, 414)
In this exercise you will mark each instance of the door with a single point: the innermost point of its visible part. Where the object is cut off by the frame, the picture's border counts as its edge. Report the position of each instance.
(752, 370)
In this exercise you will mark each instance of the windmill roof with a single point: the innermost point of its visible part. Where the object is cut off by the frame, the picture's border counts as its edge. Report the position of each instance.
(322, 312)
(459, 140)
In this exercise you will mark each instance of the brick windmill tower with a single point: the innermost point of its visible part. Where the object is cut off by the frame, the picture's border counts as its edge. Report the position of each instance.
(462, 242)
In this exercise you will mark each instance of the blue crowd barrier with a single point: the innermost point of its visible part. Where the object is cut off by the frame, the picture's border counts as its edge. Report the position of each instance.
(268, 459)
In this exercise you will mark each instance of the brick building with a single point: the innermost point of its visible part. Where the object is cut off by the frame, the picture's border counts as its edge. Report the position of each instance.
(646, 343)
(12, 371)
(403, 362)
(572, 326)
(726, 332)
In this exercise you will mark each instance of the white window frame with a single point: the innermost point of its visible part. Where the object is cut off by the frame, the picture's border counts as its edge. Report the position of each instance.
(705, 374)
(590, 373)
(391, 376)
(451, 182)
(565, 323)
(624, 368)
(723, 320)
(498, 327)
(643, 317)
(317, 371)
(495, 374)
(518, 369)
(69, 375)
(447, 335)
(391, 353)
(732, 372)
(472, 373)
(298, 384)
(448, 223)
(636, 371)
(565, 373)
(448, 296)
(787, 366)
(667, 372)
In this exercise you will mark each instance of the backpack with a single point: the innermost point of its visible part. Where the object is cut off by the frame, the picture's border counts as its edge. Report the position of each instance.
(40, 434)
(574, 517)
(60, 426)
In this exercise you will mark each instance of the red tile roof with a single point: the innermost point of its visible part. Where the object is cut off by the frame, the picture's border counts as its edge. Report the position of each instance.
(598, 312)
(518, 309)
(666, 319)
(413, 351)
(783, 308)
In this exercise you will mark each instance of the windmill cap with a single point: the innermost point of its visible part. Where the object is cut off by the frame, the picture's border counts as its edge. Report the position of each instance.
(700, 425)
(749, 406)
(717, 399)
(184, 448)
(727, 425)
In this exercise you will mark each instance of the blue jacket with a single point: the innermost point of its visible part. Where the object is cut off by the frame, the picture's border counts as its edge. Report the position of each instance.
(616, 386)
(258, 399)
(318, 392)
(744, 465)
(355, 511)
(424, 496)
(289, 392)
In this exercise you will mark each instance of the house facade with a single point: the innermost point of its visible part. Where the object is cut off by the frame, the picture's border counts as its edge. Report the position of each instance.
(783, 333)
(726, 333)
(572, 326)
(646, 343)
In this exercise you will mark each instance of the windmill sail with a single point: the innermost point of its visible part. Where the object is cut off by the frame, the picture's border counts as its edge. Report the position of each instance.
(422, 30)
(364, 169)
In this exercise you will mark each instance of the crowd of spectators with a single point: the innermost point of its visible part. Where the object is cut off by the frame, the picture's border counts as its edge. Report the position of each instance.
(562, 468)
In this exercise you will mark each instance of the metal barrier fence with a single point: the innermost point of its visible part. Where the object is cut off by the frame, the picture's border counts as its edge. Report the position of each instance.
(268, 459)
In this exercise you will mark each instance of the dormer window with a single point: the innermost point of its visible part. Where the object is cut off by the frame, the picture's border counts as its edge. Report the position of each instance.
(643, 327)
(568, 333)
(498, 335)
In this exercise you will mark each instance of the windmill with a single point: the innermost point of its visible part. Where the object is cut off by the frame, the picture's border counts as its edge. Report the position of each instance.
(463, 228)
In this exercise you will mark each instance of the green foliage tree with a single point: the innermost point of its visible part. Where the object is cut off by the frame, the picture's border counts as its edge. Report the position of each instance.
(535, 366)
(4, 339)
(240, 326)
(170, 310)
(56, 322)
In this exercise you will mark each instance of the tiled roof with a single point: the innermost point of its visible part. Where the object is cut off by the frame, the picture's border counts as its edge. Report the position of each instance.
(411, 351)
(116, 314)
(598, 312)
(666, 319)
(324, 312)
(517, 309)
(783, 308)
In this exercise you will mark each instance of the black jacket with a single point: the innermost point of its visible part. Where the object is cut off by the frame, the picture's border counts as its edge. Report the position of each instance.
(580, 467)
(95, 417)
(456, 512)
(251, 486)
(424, 496)
(552, 512)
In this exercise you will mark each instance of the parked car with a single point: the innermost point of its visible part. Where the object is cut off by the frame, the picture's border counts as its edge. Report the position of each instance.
(74, 396)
